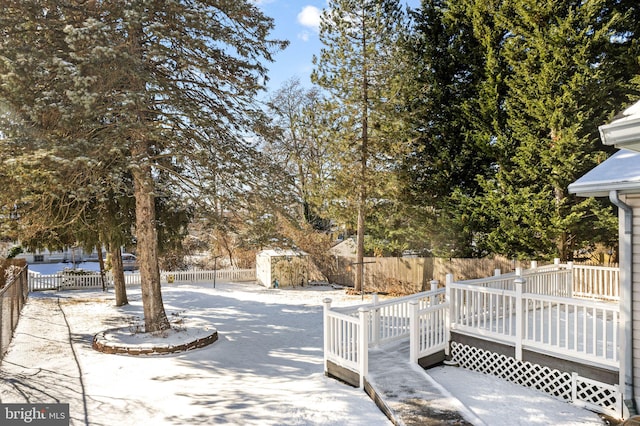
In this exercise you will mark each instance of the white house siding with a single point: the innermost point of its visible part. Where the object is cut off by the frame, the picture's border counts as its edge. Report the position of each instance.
(634, 201)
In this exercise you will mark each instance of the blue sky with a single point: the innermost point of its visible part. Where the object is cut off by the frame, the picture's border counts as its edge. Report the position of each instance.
(297, 21)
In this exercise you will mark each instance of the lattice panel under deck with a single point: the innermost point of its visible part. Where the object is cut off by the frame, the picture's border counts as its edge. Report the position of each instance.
(595, 395)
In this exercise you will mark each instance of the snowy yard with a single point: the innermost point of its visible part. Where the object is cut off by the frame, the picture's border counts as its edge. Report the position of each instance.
(265, 369)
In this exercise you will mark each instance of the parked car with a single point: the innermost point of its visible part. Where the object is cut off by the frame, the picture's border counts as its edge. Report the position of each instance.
(129, 262)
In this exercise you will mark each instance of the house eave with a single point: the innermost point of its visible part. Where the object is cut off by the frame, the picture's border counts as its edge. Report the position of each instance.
(602, 189)
(623, 133)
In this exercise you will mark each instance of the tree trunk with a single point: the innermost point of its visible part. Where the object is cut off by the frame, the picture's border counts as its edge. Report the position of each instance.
(155, 318)
(101, 264)
(362, 195)
(117, 272)
(561, 240)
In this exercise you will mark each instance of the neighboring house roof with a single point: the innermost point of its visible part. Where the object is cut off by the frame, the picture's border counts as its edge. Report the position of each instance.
(346, 248)
(280, 253)
(620, 172)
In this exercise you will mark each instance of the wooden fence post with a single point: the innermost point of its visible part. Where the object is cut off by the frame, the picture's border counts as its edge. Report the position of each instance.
(518, 284)
(363, 343)
(414, 331)
(326, 330)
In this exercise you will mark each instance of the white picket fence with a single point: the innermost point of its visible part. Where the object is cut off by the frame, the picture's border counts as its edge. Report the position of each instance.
(560, 309)
(70, 281)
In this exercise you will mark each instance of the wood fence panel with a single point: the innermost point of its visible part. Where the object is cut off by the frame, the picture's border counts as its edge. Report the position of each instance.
(408, 275)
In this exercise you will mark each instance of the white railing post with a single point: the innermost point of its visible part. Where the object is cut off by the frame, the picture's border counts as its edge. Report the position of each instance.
(434, 286)
(534, 264)
(363, 343)
(327, 330)
(497, 272)
(570, 279)
(375, 331)
(556, 261)
(448, 317)
(518, 284)
(414, 331)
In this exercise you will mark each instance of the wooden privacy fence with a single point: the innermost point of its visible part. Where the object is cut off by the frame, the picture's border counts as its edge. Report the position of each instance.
(66, 281)
(408, 275)
(13, 296)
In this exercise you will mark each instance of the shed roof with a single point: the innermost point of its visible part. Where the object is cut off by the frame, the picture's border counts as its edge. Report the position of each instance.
(620, 172)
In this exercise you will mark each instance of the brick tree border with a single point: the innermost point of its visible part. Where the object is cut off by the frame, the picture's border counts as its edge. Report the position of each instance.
(101, 345)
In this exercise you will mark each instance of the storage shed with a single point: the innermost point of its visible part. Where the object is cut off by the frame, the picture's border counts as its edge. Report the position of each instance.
(282, 268)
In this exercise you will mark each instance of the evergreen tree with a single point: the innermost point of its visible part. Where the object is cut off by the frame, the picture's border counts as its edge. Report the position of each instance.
(160, 86)
(450, 144)
(563, 78)
(358, 66)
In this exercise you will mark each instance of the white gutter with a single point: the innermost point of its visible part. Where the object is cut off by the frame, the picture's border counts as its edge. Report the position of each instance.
(622, 133)
(626, 296)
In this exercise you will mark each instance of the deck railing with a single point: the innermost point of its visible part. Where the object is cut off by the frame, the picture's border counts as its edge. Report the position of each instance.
(346, 341)
(585, 330)
(560, 279)
(384, 322)
(596, 282)
(533, 309)
(581, 329)
(70, 281)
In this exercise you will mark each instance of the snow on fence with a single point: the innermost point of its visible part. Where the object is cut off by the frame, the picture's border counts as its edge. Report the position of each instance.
(71, 281)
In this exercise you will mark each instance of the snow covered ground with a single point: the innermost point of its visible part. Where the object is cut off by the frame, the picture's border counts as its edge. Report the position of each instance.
(265, 369)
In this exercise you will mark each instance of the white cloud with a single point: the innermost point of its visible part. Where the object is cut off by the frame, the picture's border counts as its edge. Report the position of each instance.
(309, 16)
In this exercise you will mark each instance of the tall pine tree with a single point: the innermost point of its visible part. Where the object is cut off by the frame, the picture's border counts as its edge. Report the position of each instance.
(358, 66)
(450, 145)
(562, 63)
(167, 87)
